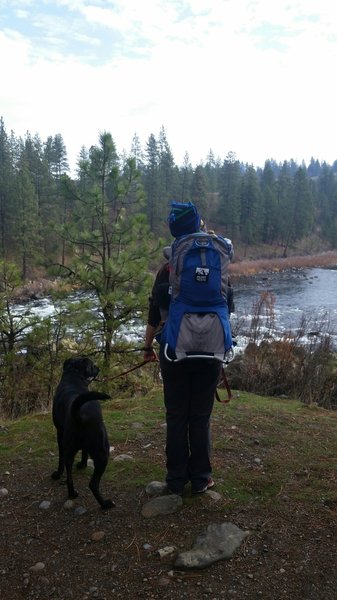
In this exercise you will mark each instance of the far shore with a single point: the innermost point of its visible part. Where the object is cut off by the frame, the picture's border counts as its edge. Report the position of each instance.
(38, 288)
(246, 268)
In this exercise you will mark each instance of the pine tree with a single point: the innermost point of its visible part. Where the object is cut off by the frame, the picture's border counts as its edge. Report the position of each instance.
(168, 175)
(229, 210)
(5, 171)
(326, 204)
(110, 239)
(199, 191)
(56, 156)
(212, 172)
(46, 193)
(269, 198)
(284, 195)
(152, 182)
(251, 208)
(303, 214)
(186, 176)
(137, 152)
(27, 225)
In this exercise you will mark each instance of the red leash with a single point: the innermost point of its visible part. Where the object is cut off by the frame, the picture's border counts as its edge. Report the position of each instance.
(125, 372)
(229, 391)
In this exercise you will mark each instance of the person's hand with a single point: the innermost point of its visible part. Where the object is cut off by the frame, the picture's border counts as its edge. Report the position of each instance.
(149, 354)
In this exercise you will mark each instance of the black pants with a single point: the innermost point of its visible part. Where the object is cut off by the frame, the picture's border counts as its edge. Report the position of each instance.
(189, 388)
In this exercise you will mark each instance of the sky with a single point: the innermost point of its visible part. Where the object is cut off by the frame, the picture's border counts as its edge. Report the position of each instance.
(253, 77)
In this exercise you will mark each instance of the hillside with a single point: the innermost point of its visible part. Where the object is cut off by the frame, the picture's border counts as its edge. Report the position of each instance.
(275, 467)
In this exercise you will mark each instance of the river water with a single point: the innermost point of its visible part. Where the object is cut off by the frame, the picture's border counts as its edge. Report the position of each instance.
(298, 293)
(309, 294)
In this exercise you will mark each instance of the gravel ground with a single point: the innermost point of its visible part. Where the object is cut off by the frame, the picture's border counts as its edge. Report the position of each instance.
(83, 552)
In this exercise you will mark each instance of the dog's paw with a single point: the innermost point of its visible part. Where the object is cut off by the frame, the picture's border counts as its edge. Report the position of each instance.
(107, 504)
(56, 475)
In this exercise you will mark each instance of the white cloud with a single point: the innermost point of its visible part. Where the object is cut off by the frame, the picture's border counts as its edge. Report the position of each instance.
(255, 77)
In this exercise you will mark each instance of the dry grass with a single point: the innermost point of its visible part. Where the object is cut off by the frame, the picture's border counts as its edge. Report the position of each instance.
(252, 267)
(40, 288)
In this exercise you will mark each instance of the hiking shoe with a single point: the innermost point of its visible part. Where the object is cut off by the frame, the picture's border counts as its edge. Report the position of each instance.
(170, 492)
(210, 483)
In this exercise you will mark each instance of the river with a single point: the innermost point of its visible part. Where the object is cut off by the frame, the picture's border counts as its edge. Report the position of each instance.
(309, 293)
(298, 294)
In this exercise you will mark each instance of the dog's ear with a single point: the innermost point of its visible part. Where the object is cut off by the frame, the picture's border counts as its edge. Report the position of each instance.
(68, 363)
(88, 369)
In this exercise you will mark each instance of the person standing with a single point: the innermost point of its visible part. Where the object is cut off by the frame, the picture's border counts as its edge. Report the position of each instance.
(189, 391)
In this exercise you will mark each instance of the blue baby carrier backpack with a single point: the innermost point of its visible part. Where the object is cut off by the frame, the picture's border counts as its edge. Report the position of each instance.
(198, 320)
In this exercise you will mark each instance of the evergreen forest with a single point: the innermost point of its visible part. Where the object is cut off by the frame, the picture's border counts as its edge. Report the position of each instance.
(47, 216)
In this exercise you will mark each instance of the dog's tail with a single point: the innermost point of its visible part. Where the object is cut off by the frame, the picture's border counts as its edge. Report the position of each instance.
(86, 397)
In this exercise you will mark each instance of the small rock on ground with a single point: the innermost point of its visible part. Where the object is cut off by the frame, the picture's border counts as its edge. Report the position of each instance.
(123, 457)
(156, 488)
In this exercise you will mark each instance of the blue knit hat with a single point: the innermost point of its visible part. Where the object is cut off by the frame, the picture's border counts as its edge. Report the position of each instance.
(183, 219)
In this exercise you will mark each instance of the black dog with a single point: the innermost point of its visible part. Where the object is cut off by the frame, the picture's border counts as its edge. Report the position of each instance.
(78, 419)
